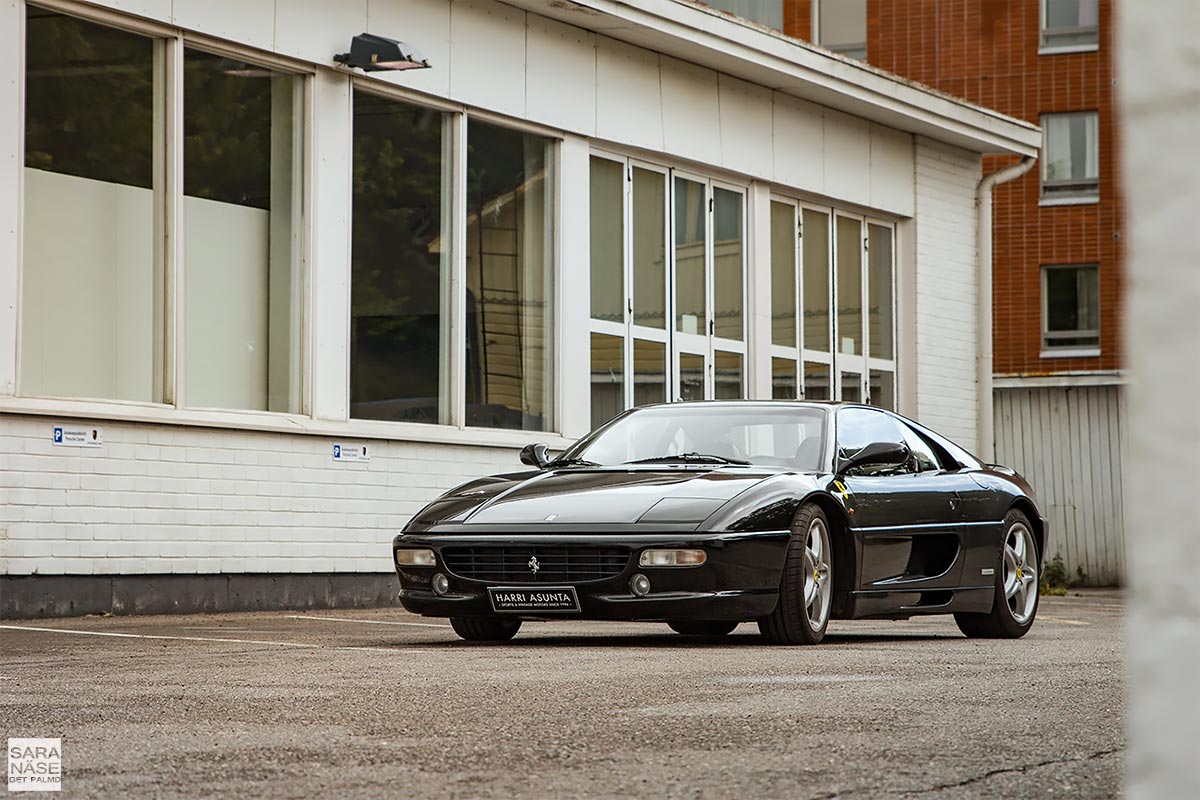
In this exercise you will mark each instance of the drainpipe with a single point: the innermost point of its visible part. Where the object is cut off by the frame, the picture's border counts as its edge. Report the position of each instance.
(983, 361)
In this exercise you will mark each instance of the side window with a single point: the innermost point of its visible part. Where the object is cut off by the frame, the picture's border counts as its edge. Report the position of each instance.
(923, 456)
(859, 427)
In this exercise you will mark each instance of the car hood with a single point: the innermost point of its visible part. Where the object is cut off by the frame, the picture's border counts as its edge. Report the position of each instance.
(591, 495)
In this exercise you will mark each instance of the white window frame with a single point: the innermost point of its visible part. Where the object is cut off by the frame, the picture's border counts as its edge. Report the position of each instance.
(1048, 49)
(1060, 192)
(840, 50)
(838, 362)
(1071, 351)
(169, 230)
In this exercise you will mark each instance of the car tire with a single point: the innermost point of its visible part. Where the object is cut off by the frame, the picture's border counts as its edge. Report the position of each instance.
(485, 629)
(702, 627)
(1016, 600)
(807, 580)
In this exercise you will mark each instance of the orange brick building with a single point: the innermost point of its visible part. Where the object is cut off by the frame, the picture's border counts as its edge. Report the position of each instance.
(1057, 231)
(995, 53)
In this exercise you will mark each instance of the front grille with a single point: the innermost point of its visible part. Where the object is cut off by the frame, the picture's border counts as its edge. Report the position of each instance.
(572, 564)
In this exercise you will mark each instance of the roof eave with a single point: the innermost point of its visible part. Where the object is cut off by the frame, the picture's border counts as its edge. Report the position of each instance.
(749, 52)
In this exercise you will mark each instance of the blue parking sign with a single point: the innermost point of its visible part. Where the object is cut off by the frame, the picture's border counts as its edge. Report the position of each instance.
(58, 435)
(337, 451)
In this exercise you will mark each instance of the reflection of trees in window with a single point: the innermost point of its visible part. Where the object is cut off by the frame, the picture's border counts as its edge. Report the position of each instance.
(227, 130)
(508, 281)
(397, 261)
(89, 107)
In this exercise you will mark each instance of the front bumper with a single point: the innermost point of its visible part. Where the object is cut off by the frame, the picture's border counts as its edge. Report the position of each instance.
(738, 581)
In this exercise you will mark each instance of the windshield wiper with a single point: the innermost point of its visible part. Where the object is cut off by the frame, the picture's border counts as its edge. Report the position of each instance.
(694, 458)
(566, 462)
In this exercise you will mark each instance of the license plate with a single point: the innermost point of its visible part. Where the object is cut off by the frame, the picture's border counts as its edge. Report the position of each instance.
(533, 600)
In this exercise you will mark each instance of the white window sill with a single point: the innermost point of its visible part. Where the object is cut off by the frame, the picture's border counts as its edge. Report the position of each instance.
(1070, 352)
(1089, 200)
(278, 423)
(1064, 49)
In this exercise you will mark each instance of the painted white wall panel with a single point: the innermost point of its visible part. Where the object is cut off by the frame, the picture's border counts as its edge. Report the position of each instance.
(312, 28)
(847, 157)
(159, 10)
(945, 277)
(746, 122)
(425, 24)
(891, 170)
(691, 108)
(329, 268)
(251, 22)
(798, 142)
(629, 105)
(574, 290)
(487, 53)
(561, 76)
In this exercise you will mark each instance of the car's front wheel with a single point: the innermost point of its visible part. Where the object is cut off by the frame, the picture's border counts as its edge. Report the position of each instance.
(806, 589)
(1016, 600)
(485, 629)
(702, 627)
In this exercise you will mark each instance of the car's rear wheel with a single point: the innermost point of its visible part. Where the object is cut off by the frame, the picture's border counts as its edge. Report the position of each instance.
(702, 627)
(1016, 600)
(806, 588)
(485, 629)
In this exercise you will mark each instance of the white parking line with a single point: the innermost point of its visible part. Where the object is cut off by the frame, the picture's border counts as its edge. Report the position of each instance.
(208, 639)
(367, 621)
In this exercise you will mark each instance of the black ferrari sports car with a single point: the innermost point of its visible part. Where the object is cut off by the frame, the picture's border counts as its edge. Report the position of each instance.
(705, 515)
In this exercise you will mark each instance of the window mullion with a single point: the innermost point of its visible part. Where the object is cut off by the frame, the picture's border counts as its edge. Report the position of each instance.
(173, 240)
(458, 270)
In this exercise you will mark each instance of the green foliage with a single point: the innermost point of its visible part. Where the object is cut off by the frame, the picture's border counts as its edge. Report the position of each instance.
(1056, 581)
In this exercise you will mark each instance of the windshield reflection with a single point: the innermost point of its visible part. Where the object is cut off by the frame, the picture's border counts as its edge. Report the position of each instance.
(788, 437)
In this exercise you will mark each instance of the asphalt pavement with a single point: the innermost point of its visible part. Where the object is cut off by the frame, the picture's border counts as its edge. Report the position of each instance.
(379, 703)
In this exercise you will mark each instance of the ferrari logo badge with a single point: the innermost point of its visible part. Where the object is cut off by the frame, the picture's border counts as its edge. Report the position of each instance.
(842, 490)
(534, 565)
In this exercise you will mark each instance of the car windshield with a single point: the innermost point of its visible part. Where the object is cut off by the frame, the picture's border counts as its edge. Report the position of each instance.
(786, 436)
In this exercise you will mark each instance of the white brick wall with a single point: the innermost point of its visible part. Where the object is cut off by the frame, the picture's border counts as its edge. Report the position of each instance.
(170, 499)
(946, 275)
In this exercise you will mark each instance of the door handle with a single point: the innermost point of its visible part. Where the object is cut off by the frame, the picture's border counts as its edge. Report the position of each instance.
(955, 501)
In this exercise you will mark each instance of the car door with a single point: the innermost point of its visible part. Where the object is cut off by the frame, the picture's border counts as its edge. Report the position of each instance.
(908, 518)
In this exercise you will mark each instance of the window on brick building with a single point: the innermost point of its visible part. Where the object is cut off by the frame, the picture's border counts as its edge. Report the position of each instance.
(1071, 155)
(1070, 310)
(764, 12)
(1069, 25)
(841, 26)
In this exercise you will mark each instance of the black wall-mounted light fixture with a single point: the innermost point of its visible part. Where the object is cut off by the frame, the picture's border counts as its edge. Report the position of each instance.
(372, 53)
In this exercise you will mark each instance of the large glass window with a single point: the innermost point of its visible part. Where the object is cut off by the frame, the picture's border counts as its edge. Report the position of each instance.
(1071, 155)
(783, 274)
(400, 263)
(1069, 24)
(849, 286)
(691, 287)
(1071, 309)
(841, 26)
(92, 279)
(509, 278)
(607, 240)
(816, 280)
(728, 259)
(608, 377)
(242, 153)
(649, 248)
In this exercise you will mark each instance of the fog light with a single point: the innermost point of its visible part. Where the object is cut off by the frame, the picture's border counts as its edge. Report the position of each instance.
(639, 585)
(415, 557)
(440, 584)
(672, 558)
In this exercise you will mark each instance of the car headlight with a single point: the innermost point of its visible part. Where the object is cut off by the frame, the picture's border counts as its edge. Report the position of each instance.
(672, 558)
(415, 557)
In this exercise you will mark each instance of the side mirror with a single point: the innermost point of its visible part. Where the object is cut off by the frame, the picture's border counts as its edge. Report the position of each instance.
(876, 453)
(535, 455)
